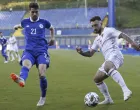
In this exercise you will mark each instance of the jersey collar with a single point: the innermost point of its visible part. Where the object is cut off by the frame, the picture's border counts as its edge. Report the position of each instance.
(2, 37)
(34, 21)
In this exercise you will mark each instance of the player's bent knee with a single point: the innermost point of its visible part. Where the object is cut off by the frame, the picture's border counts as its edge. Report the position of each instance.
(27, 63)
(99, 77)
(108, 65)
(42, 69)
(97, 80)
(41, 73)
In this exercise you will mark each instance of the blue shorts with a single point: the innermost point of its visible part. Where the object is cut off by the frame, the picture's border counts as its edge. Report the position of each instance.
(36, 59)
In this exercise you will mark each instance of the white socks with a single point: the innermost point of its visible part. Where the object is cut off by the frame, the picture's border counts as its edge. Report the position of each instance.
(118, 78)
(104, 90)
(10, 56)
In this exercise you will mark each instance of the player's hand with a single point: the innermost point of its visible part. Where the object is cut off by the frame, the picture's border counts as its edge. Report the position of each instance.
(16, 27)
(79, 49)
(52, 42)
(135, 46)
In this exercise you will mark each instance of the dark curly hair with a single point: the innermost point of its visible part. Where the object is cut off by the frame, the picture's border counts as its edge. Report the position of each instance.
(95, 18)
(33, 5)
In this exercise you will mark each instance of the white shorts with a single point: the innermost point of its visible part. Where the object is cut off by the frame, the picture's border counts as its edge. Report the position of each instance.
(15, 48)
(8, 47)
(11, 47)
(117, 60)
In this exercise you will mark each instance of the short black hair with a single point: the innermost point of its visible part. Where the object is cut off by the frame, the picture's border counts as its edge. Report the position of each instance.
(95, 18)
(33, 5)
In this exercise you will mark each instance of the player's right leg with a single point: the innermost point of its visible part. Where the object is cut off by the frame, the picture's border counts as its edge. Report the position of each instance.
(16, 52)
(23, 73)
(43, 63)
(12, 55)
(110, 68)
(26, 62)
(4, 54)
(98, 79)
(17, 79)
(18, 55)
(8, 51)
(11, 52)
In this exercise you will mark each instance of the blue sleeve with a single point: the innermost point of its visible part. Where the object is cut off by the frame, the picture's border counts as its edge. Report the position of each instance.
(47, 24)
(5, 40)
(23, 23)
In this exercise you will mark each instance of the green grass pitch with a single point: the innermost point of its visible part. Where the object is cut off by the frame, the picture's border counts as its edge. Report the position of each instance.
(70, 77)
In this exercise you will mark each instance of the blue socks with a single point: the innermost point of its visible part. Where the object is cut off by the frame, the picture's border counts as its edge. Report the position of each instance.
(24, 72)
(43, 81)
(6, 58)
(43, 86)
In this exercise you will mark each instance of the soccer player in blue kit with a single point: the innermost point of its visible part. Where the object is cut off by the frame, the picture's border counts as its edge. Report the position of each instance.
(36, 49)
(3, 42)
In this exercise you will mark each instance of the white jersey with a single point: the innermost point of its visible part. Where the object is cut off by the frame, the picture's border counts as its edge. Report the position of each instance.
(8, 45)
(13, 44)
(12, 40)
(107, 42)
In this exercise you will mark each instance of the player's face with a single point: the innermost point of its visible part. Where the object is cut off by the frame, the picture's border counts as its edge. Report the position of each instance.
(34, 14)
(96, 25)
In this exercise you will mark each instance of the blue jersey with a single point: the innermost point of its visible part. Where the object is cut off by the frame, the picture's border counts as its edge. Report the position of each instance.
(35, 34)
(3, 41)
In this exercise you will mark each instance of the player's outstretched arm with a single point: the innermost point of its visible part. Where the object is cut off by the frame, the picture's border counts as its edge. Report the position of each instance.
(52, 33)
(17, 26)
(88, 53)
(128, 39)
(5, 42)
(52, 41)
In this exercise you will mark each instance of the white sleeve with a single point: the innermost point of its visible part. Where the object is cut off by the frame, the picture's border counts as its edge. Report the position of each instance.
(18, 25)
(95, 45)
(51, 26)
(15, 38)
(116, 33)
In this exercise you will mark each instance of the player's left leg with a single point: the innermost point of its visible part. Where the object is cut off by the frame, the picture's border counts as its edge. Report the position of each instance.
(18, 55)
(8, 51)
(16, 52)
(42, 63)
(99, 80)
(110, 68)
(12, 55)
(3, 51)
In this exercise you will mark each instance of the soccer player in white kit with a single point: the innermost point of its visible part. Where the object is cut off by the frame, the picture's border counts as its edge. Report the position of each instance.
(10, 51)
(106, 40)
(14, 47)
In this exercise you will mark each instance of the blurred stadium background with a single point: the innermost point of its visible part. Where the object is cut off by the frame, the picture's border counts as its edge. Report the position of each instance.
(71, 18)
(70, 75)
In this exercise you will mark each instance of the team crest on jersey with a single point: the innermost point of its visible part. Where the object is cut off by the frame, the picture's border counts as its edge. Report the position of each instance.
(27, 26)
(41, 26)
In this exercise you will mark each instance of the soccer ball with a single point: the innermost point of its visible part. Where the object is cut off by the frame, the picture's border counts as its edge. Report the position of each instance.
(91, 99)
